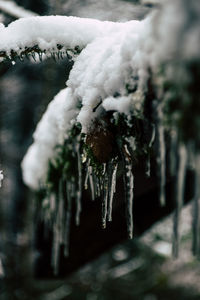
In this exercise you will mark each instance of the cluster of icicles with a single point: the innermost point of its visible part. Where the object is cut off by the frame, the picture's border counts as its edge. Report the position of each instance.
(104, 186)
(181, 159)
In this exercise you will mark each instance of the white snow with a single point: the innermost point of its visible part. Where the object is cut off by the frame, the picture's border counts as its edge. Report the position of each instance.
(49, 31)
(103, 68)
(121, 104)
(50, 132)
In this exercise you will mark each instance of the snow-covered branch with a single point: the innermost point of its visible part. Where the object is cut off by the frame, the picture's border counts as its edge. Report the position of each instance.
(51, 131)
(112, 72)
(14, 10)
(51, 34)
(123, 68)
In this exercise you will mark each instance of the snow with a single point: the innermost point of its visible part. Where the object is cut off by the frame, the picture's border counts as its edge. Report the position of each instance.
(115, 55)
(50, 132)
(103, 69)
(49, 31)
(120, 104)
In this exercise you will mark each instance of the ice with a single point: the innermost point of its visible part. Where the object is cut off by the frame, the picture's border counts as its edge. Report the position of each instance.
(112, 189)
(129, 186)
(105, 200)
(91, 181)
(196, 224)
(79, 190)
(55, 256)
(180, 187)
(68, 219)
(173, 152)
(162, 155)
(87, 175)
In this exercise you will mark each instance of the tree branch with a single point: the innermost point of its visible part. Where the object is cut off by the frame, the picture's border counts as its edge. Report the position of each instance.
(52, 33)
(12, 9)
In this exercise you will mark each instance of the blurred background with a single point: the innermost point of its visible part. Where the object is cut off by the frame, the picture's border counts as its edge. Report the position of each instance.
(102, 264)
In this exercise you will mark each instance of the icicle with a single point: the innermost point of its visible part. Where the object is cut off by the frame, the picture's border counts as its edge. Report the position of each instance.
(56, 242)
(162, 154)
(68, 219)
(58, 55)
(180, 186)
(129, 185)
(55, 251)
(92, 188)
(148, 166)
(148, 161)
(112, 189)
(87, 175)
(196, 223)
(97, 187)
(173, 152)
(33, 56)
(53, 55)
(128, 179)
(79, 192)
(61, 212)
(21, 57)
(45, 215)
(105, 198)
(58, 228)
(52, 201)
(40, 56)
